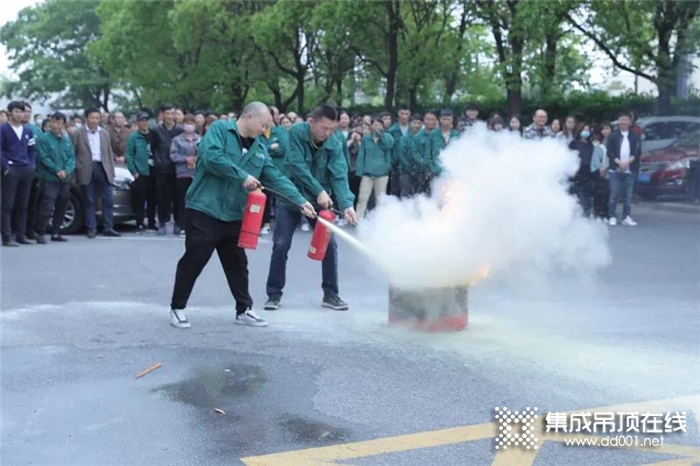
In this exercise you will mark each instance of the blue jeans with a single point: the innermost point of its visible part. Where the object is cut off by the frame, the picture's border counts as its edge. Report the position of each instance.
(99, 185)
(621, 184)
(286, 221)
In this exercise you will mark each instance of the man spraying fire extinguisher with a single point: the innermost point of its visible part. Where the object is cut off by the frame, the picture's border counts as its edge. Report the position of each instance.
(230, 163)
(316, 164)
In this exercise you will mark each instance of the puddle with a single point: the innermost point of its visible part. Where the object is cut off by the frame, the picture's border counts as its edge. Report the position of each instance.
(210, 386)
(307, 431)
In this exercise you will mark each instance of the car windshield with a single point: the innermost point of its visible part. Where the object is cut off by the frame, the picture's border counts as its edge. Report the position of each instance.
(689, 139)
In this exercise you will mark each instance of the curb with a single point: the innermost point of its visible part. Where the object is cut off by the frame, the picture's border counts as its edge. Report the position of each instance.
(686, 208)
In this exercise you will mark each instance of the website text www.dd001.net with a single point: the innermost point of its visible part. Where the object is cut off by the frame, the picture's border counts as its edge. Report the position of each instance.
(615, 441)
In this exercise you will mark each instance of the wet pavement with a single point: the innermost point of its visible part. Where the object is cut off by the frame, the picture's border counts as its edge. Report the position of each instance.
(80, 320)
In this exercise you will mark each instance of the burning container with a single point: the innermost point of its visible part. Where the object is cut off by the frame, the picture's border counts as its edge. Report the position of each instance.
(429, 309)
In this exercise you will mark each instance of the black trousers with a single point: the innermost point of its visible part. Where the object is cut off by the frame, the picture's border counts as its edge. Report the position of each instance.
(204, 235)
(601, 194)
(139, 189)
(354, 182)
(183, 184)
(33, 206)
(16, 186)
(54, 199)
(151, 200)
(166, 185)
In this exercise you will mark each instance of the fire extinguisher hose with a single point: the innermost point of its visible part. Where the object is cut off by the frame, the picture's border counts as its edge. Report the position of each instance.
(276, 193)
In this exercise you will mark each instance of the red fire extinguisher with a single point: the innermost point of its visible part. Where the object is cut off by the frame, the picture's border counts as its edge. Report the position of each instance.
(252, 220)
(321, 237)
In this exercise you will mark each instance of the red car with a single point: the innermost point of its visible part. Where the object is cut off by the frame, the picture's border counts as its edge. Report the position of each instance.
(665, 171)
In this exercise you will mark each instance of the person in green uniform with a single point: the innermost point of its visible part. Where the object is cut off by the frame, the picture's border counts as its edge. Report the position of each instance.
(440, 137)
(55, 165)
(373, 165)
(138, 158)
(231, 161)
(317, 166)
(276, 140)
(421, 159)
(405, 161)
(398, 130)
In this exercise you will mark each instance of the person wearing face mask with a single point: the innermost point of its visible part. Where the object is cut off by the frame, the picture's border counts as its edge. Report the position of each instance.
(582, 183)
(183, 153)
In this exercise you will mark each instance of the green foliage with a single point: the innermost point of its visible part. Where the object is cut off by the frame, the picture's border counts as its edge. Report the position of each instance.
(46, 46)
(220, 54)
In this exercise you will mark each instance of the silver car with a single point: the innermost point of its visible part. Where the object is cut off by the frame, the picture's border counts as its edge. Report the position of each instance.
(74, 219)
(660, 132)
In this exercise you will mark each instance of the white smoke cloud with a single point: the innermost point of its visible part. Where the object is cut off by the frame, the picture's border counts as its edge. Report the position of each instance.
(502, 204)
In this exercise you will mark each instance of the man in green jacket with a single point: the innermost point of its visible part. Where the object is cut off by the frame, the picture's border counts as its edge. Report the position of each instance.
(316, 165)
(277, 141)
(420, 154)
(374, 165)
(55, 165)
(138, 160)
(407, 165)
(397, 131)
(231, 161)
(440, 138)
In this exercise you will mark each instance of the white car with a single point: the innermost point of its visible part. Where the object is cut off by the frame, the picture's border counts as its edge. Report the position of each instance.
(660, 132)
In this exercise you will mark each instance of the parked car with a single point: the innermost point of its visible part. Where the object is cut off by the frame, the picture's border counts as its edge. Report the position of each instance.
(661, 131)
(74, 219)
(664, 171)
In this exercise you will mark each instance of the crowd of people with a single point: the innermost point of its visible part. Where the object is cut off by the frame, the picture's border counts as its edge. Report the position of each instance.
(383, 156)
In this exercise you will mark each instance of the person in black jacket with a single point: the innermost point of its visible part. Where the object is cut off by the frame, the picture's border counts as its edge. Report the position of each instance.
(624, 152)
(164, 170)
(583, 181)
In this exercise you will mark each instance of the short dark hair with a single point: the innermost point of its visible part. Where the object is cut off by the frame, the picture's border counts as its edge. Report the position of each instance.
(384, 114)
(473, 106)
(430, 112)
(446, 112)
(199, 112)
(324, 111)
(27, 104)
(188, 118)
(15, 104)
(92, 110)
(165, 107)
(624, 113)
(403, 107)
(416, 116)
(58, 116)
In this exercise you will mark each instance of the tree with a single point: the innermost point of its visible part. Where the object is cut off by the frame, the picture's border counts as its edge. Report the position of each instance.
(644, 38)
(47, 50)
(284, 33)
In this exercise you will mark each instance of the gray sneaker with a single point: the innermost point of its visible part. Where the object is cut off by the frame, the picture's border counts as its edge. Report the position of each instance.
(272, 304)
(334, 302)
(250, 318)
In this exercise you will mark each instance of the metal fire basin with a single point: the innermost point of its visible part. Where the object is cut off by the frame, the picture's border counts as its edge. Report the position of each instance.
(429, 309)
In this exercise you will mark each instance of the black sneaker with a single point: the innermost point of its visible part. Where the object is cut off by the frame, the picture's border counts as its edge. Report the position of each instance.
(334, 302)
(41, 239)
(272, 304)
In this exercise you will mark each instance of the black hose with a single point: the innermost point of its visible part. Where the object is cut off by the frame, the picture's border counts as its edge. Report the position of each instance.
(276, 193)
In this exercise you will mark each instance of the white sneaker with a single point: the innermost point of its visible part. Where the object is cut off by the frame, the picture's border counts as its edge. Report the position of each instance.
(305, 227)
(629, 222)
(178, 318)
(612, 222)
(249, 317)
(265, 231)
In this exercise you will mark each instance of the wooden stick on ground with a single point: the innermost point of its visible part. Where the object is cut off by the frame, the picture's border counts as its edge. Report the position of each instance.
(147, 370)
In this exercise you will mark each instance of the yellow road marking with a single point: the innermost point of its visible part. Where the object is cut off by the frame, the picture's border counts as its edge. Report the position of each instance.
(326, 456)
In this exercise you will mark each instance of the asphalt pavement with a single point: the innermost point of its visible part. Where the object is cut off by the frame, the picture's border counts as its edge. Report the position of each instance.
(81, 319)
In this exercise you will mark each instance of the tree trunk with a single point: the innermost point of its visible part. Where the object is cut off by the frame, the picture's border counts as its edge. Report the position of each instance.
(339, 90)
(300, 93)
(515, 102)
(413, 98)
(550, 60)
(392, 7)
